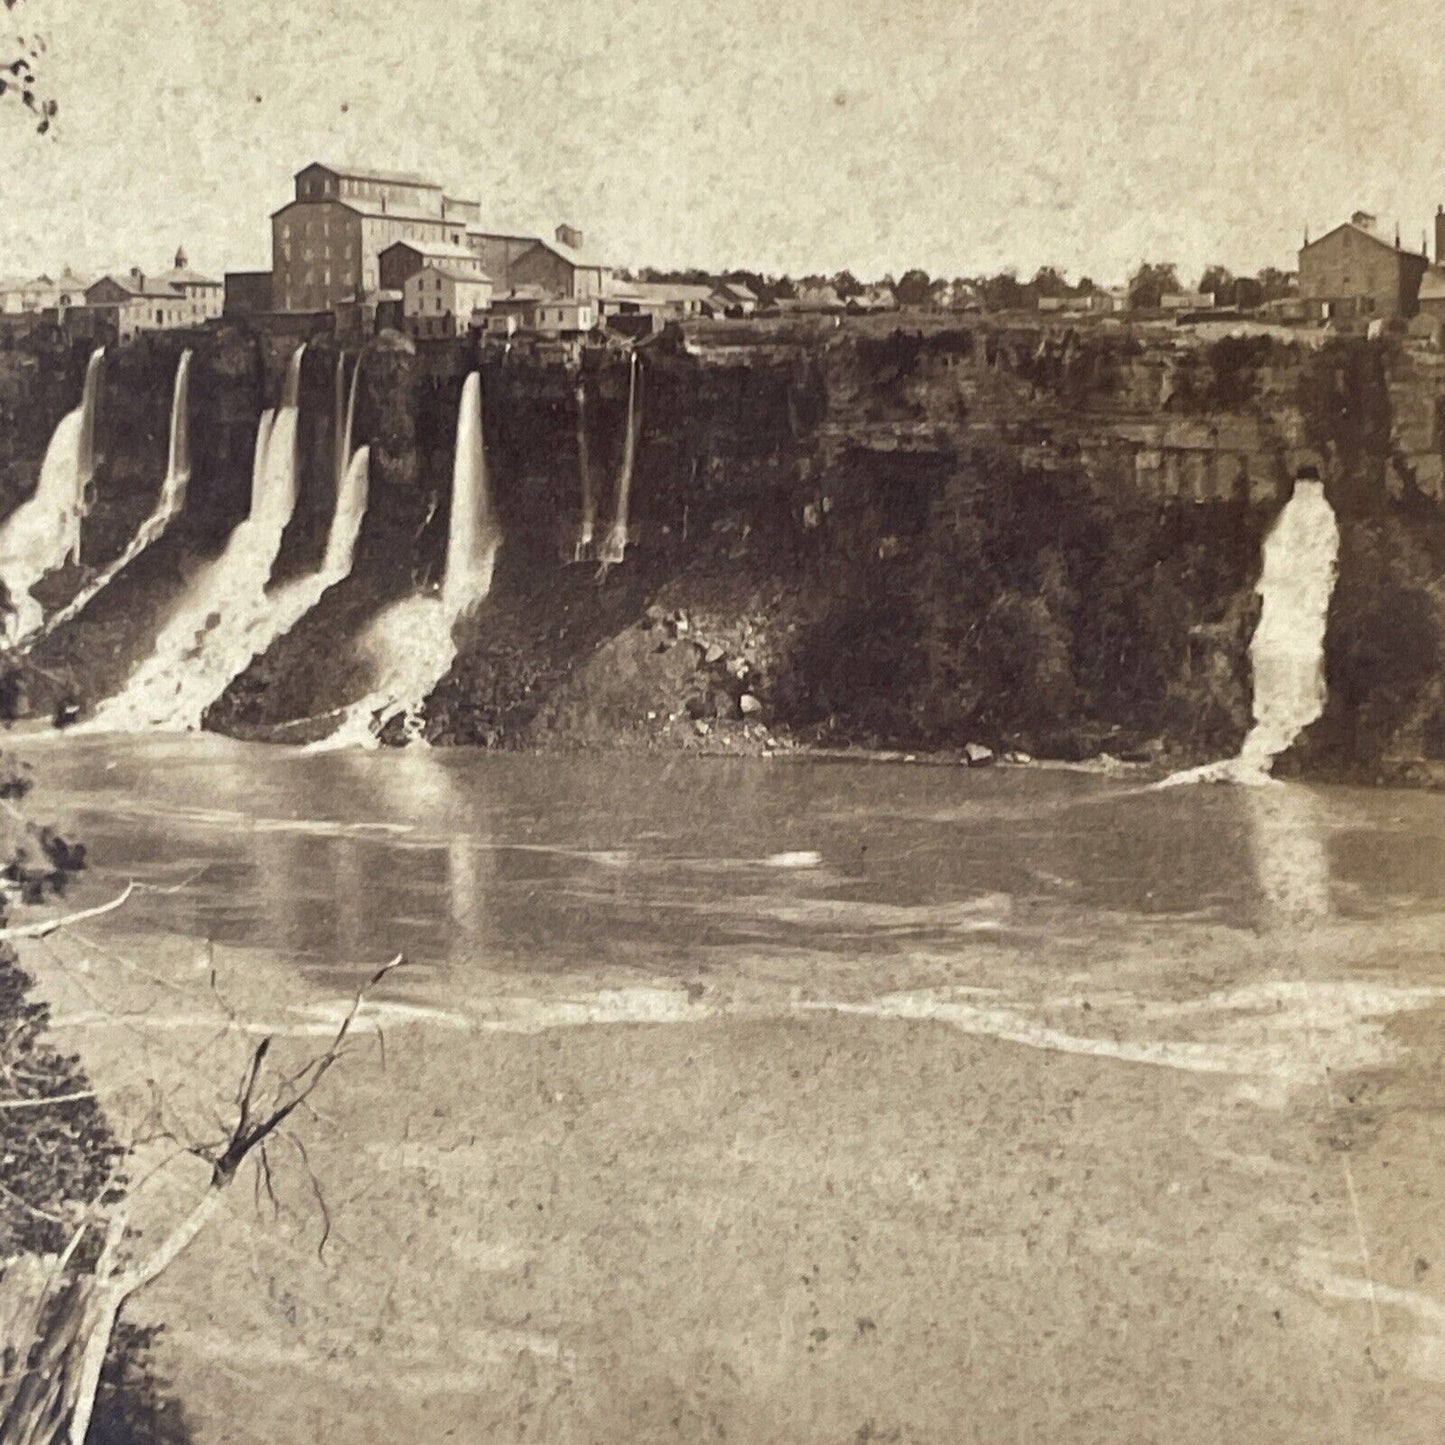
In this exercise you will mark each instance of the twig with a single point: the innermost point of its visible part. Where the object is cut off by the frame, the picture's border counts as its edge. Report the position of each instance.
(48, 1099)
(315, 1190)
(47, 927)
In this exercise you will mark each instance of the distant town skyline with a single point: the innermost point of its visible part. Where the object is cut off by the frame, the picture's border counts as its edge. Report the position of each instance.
(962, 138)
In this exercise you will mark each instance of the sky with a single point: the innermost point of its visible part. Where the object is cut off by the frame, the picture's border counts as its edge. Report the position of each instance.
(962, 136)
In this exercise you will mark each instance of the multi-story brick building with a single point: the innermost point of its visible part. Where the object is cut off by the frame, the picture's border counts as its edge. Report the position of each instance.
(325, 244)
(1354, 272)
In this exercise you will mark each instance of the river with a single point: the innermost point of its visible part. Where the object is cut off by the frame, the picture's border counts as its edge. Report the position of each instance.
(777, 1100)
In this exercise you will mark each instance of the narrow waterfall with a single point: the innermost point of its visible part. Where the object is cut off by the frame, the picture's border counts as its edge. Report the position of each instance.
(614, 548)
(172, 499)
(341, 447)
(411, 644)
(582, 550)
(85, 463)
(1287, 652)
(471, 534)
(352, 482)
(172, 688)
(43, 533)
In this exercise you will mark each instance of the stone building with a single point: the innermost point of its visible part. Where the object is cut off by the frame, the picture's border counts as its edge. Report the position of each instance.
(137, 302)
(1353, 272)
(498, 251)
(560, 268)
(203, 296)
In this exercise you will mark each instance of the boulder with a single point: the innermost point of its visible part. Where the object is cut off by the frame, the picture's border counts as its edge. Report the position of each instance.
(977, 756)
(750, 705)
(724, 705)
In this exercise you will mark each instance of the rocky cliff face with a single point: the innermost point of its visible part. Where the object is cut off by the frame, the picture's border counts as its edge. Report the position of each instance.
(1036, 538)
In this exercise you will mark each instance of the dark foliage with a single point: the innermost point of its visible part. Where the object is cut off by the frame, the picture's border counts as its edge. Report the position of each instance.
(1028, 609)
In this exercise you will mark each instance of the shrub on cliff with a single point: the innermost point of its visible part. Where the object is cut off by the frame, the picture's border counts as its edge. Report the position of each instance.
(1233, 363)
(1384, 646)
(1344, 397)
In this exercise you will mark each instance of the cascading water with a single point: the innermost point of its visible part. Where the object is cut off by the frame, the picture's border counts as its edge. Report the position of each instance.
(411, 643)
(172, 499)
(582, 550)
(341, 446)
(1287, 653)
(351, 491)
(614, 547)
(173, 687)
(43, 532)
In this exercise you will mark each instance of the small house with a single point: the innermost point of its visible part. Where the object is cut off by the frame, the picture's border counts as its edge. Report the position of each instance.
(440, 300)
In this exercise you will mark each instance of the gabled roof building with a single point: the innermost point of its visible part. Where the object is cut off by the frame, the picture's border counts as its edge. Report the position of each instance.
(1353, 272)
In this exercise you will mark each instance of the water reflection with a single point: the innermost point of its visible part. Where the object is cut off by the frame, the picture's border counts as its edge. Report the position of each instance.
(577, 862)
(1291, 859)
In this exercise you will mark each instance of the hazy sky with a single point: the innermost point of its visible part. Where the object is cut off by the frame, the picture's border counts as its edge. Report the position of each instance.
(960, 137)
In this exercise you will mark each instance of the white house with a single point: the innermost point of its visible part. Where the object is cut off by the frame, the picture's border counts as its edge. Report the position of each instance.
(440, 300)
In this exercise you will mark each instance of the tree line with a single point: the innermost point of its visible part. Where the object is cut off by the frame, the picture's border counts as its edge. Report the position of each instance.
(1004, 291)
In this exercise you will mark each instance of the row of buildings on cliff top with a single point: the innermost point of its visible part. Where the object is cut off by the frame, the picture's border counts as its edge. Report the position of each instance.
(378, 247)
(122, 302)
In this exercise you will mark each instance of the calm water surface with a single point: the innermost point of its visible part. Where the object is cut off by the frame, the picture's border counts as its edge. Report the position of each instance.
(552, 863)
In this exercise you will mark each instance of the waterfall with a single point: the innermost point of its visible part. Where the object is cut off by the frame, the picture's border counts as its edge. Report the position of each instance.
(352, 482)
(347, 423)
(172, 499)
(583, 548)
(341, 446)
(614, 548)
(172, 688)
(85, 457)
(257, 619)
(410, 644)
(1287, 652)
(43, 533)
(471, 534)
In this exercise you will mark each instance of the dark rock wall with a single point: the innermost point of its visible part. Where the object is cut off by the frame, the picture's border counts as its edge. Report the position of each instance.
(1037, 536)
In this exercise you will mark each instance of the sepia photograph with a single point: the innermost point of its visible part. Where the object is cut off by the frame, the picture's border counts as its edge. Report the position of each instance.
(721, 724)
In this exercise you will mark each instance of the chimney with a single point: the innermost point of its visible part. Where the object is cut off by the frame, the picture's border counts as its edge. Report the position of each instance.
(1364, 220)
(569, 236)
(137, 275)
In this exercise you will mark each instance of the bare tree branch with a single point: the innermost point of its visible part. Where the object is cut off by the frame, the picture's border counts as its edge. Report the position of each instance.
(46, 927)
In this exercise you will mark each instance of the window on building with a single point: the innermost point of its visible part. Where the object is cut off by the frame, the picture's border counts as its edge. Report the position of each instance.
(160, 317)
